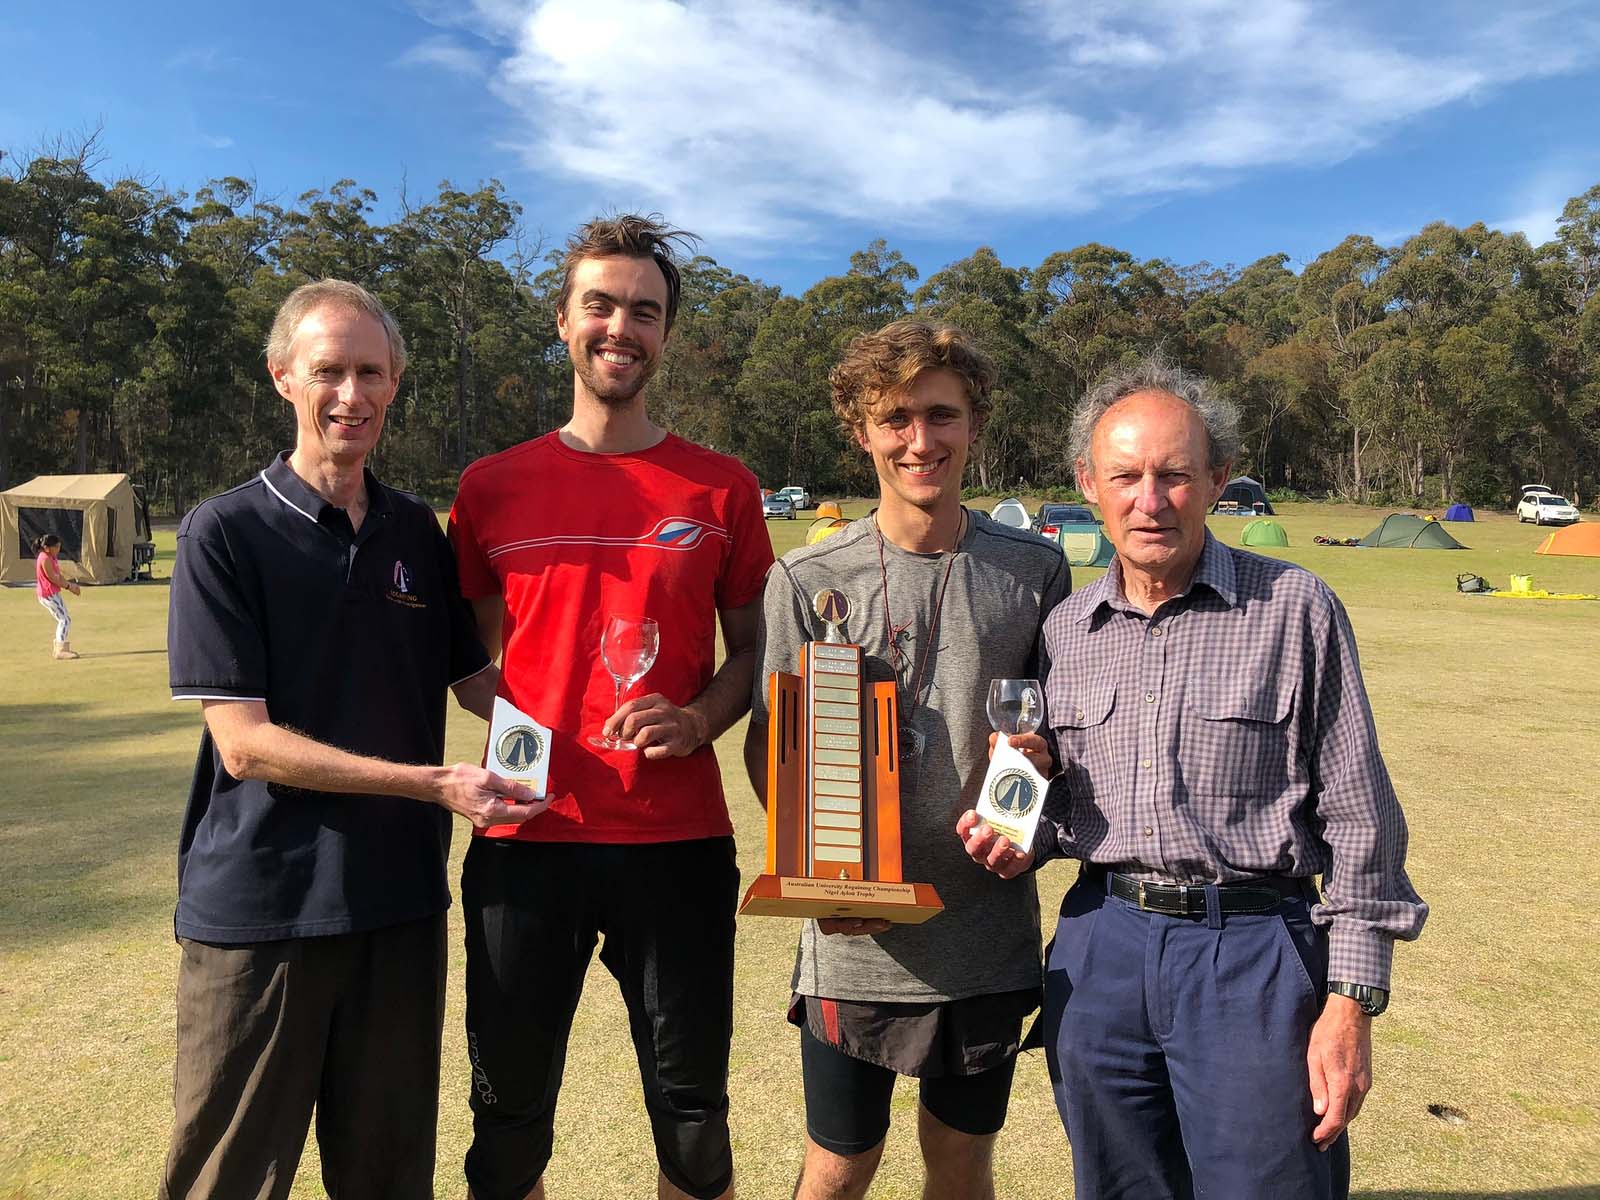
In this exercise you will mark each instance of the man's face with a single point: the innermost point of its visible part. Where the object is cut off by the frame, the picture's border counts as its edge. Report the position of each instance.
(1153, 482)
(919, 438)
(340, 380)
(614, 325)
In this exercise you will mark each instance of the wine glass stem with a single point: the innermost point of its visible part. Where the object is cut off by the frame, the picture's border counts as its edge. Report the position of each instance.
(616, 682)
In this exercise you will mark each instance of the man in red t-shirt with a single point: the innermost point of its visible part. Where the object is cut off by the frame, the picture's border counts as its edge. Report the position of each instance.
(610, 515)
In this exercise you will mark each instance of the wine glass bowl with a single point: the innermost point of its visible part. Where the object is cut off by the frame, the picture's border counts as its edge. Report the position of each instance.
(1015, 705)
(628, 647)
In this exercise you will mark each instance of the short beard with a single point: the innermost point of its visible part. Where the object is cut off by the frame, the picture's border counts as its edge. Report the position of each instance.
(611, 395)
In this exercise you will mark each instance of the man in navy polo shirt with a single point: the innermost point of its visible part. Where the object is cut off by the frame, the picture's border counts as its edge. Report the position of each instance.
(316, 615)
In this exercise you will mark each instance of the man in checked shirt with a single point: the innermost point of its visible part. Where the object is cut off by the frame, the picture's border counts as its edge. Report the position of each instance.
(1207, 1015)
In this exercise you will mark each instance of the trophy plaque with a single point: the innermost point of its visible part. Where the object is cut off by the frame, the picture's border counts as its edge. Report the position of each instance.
(519, 747)
(833, 790)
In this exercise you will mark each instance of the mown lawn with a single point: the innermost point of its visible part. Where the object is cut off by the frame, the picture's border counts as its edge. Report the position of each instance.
(1487, 714)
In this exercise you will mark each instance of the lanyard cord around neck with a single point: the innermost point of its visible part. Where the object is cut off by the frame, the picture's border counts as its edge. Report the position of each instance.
(896, 655)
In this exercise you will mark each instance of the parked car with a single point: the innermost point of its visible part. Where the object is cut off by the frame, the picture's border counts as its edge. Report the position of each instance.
(798, 496)
(1546, 508)
(778, 505)
(1051, 517)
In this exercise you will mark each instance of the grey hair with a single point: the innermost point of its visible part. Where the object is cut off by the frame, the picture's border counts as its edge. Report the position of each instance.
(1217, 414)
(334, 293)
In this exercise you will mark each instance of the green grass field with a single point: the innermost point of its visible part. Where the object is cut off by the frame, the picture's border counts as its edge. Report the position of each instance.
(1488, 720)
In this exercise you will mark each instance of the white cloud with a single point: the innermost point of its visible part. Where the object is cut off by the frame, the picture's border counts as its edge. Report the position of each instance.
(216, 141)
(757, 119)
(444, 52)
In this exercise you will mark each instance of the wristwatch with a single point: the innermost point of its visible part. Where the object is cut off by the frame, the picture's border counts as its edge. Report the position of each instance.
(1373, 1000)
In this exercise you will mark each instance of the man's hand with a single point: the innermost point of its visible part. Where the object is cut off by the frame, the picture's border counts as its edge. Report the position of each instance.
(853, 926)
(658, 727)
(484, 798)
(1340, 1059)
(1034, 748)
(74, 588)
(990, 850)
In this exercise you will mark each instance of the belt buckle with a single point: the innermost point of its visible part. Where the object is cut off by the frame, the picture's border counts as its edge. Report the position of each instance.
(1143, 907)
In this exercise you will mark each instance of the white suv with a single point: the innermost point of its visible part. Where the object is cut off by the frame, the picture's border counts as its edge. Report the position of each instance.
(796, 496)
(1546, 508)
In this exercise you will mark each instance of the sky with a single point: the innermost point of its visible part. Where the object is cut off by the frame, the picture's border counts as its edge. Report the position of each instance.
(788, 135)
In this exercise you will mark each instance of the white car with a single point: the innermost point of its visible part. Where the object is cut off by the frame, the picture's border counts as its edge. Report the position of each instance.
(796, 496)
(1546, 508)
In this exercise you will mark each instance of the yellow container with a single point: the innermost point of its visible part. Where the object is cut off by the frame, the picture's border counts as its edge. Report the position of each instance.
(1521, 585)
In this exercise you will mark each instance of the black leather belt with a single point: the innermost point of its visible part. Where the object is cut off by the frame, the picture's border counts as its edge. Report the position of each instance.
(1189, 900)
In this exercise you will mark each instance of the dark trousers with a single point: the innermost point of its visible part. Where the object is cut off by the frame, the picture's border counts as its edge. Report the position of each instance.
(534, 913)
(347, 1024)
(1177, 1050)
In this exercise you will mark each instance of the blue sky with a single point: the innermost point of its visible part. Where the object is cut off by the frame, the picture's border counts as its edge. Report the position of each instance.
(790, 134)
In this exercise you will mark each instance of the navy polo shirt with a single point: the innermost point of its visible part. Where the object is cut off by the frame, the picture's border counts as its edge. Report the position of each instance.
(350, 637)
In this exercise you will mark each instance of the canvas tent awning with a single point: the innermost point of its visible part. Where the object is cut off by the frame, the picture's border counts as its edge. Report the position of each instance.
(95, 516)
(1410, 532)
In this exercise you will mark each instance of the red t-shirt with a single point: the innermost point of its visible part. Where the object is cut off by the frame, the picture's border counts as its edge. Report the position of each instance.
(42, 583)
(674, 532)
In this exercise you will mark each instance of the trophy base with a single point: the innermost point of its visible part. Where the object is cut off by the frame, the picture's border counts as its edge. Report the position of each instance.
(791, 896)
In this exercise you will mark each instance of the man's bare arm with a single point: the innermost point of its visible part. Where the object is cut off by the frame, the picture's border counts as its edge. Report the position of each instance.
(252, 747)
(476, 693)
(755, 760)
(663, 729)
(490, 612)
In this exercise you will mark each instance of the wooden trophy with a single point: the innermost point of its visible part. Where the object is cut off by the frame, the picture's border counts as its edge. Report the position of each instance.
(833, 790)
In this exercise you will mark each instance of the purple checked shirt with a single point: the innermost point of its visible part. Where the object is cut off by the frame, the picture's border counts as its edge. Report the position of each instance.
(1229, 736)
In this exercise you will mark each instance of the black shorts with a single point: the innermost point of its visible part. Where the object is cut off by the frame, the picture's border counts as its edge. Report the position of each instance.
(534, 912)
(848, 1097)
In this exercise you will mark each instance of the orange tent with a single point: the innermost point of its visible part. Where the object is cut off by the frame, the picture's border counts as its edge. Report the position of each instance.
(1582, 538)
(829, 509)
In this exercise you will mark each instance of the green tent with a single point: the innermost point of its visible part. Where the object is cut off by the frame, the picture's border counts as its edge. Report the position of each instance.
(1264, 533)
(1409, 532)
(1085, 545)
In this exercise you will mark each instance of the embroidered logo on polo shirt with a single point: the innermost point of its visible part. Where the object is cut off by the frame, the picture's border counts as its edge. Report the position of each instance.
(401, 592)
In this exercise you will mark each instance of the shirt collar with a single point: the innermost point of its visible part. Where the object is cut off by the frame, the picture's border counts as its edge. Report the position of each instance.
(1215, 570)
(299, 495)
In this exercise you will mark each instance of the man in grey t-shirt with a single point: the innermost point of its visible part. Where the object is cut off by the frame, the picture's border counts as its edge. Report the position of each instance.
(942, 600)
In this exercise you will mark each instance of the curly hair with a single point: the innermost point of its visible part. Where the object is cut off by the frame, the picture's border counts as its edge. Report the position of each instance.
(628, 236)
(887, 361)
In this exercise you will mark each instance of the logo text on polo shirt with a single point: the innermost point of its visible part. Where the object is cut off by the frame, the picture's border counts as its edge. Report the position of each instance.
(401, 592)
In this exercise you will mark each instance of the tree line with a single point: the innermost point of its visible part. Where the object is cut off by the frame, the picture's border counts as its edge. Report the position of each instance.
(1452, 366)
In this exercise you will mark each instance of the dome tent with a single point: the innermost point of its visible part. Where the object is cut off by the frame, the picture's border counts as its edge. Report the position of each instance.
(1264, 532)
(1458, 512)
(829, 508)
(1582, 539)
(1407, 531)
(1085, 545)
(822, 527)
(1010, 512)
(1246, 494)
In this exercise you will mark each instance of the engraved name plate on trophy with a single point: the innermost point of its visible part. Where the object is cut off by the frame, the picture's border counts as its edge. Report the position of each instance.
(833, 791)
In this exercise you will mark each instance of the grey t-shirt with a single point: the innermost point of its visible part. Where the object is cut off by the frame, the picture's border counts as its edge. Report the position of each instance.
(1003, 582)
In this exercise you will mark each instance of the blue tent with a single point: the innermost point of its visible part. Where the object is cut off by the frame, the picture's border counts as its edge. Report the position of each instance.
(1458, 512)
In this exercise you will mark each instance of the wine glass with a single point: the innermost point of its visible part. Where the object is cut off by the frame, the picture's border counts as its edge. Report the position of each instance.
(628, 649)
(1015, 706)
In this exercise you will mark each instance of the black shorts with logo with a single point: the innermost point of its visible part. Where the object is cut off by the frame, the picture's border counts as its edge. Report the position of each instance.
(534, 912)
(963, 1052)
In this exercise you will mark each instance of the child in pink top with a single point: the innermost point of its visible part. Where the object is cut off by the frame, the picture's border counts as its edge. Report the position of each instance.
(48, 583)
